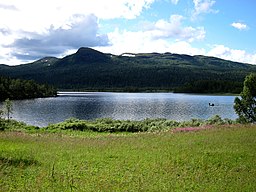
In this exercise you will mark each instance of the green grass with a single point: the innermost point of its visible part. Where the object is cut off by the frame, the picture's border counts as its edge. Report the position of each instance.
(217, 159)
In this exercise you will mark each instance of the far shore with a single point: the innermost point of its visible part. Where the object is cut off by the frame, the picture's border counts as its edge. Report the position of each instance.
(140, 91)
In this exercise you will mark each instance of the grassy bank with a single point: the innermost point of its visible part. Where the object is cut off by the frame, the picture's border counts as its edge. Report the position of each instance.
(218, 159)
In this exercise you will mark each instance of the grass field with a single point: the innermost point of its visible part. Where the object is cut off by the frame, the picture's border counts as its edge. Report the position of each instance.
(222, 158)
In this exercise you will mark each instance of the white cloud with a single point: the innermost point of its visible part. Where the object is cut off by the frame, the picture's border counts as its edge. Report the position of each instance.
(175, 1)
(33, 28)
(240, 26)
(8, 7)
(162, 37)
(37, 15)
(82, 32)
(139, 42)
(174, 29)
(227, 53)
(183, 47)
(142, 42)
(203, 6)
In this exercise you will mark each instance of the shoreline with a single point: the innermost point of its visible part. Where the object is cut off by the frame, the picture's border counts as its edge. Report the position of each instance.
(150, 91)
(109, 125)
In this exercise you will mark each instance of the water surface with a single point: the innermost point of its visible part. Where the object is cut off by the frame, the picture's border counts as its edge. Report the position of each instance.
(132, 106)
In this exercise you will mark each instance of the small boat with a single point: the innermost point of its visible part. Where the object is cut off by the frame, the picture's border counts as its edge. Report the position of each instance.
(211, 104)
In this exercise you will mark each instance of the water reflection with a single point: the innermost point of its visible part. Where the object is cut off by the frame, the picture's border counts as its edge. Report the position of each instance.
(133, 106)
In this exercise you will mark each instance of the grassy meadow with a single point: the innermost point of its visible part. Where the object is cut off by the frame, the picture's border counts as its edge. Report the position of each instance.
(220, 158)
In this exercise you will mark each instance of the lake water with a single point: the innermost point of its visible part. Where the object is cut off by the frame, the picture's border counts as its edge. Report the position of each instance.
(132, 106)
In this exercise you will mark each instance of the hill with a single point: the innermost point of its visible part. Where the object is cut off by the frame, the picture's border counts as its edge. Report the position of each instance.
(88, 69)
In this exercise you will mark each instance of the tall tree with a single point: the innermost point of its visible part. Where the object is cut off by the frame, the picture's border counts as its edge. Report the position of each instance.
(8, 108)
(2, 123)
(245, 106)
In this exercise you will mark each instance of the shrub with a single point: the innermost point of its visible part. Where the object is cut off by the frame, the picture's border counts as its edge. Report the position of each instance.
(215, 120)
(110, 125)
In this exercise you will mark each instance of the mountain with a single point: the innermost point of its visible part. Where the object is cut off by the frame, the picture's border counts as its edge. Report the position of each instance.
(84, 56)
(88, 69)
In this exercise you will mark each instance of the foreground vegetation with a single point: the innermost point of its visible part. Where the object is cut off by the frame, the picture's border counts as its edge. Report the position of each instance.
(149, 125)
(217, 159)
(107, 125)
(103, 155)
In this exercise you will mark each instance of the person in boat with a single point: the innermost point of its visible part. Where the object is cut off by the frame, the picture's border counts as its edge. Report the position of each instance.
(211, 104)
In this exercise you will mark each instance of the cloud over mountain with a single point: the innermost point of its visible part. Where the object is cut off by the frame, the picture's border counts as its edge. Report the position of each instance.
(82, 31)
(32, 29)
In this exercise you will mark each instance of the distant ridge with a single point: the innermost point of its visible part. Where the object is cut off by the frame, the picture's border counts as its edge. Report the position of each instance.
(89, 69)
(45, 61)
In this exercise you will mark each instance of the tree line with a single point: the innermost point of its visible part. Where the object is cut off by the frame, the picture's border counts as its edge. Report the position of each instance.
(24, 89)
(211, 86)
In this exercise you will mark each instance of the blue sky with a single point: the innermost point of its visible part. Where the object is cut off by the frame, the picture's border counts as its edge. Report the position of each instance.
(30, 30)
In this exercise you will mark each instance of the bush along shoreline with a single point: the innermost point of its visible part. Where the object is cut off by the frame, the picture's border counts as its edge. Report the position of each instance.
(115, 126)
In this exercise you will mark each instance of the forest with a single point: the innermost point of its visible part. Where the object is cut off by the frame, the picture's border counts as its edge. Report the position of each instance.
(24, 89)
(91, 70)
(211, 86)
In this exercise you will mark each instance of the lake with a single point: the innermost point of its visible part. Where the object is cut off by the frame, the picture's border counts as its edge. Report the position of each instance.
(132, 106)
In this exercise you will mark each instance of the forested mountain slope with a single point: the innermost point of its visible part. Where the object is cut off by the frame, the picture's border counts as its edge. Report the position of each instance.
(88, 69)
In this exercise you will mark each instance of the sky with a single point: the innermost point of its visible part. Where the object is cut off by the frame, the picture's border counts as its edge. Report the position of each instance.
(33, 29)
